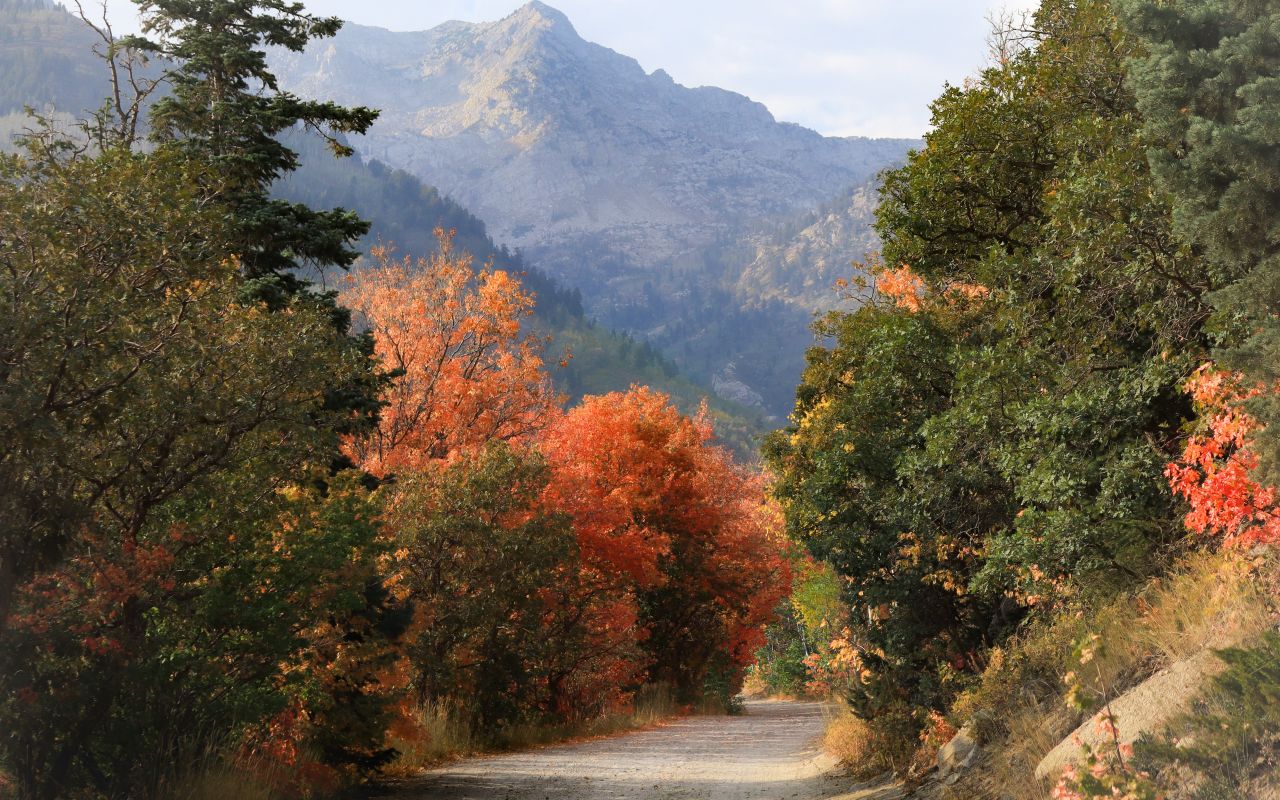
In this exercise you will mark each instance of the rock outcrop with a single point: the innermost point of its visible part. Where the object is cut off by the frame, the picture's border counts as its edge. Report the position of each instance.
(1142, 709)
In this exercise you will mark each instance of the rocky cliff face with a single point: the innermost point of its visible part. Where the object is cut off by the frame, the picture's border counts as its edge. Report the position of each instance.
(801, 261)
(615, 180)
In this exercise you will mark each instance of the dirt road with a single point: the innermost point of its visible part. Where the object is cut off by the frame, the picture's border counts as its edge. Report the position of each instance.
(768, 753)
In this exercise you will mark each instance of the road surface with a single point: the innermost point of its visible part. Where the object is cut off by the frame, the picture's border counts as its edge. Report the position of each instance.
(768, 753)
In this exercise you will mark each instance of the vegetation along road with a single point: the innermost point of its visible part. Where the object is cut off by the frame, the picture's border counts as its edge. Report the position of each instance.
(769, 752)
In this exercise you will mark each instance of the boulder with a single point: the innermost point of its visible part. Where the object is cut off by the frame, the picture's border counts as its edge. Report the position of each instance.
(1143, 709)
(958, 753)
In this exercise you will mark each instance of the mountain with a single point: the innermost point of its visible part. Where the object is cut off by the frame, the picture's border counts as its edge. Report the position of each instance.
(46, 59)
(405, 211)
(46, 54)
(644, 194)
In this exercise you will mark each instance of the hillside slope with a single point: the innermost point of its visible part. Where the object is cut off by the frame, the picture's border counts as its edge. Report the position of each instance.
(405, 212)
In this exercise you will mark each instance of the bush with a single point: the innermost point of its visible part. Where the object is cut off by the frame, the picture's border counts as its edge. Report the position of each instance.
(872, 747)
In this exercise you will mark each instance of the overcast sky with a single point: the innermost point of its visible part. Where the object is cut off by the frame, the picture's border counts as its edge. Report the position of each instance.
(842, 67)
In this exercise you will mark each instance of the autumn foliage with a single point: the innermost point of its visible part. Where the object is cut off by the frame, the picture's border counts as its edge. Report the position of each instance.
(464, 372)
(664, 518)
(556, 561)
(207, 572)
(1214, 473)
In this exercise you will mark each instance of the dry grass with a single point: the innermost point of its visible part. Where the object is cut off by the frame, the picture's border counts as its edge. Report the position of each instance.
(849, 739)
(1017, 707)
(1214, 600)
(222, 783)
(867, 749)
(1033, 730)
(214, 777)
(443, 731)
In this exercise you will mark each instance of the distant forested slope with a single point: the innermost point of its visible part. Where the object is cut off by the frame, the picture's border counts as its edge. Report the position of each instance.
(46, 59)
(405, 212)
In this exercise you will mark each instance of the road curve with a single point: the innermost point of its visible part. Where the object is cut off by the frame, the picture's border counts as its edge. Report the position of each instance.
(768, 753)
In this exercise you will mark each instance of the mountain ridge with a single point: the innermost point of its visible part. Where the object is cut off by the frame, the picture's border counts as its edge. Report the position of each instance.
(510, 117)
(620, 182)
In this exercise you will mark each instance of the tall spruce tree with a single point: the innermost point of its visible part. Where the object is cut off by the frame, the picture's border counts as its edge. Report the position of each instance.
(227, 109)
(1209, 92)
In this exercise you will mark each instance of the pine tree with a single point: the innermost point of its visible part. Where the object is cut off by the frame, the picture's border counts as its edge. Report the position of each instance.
(227, 109)
(1209, 90)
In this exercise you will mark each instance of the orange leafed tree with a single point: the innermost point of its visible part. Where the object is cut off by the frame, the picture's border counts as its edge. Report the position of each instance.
(905, 289)
(1214, 472)
(464, 372)
(656, 504)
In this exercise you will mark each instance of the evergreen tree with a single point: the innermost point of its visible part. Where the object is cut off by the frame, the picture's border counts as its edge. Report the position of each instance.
(226, 108)
(1209, 90)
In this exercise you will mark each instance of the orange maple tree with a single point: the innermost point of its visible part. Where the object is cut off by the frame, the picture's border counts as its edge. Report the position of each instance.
(665, 515)
(1214, 471)
(678, 562)
(906, 290)
(464, 371)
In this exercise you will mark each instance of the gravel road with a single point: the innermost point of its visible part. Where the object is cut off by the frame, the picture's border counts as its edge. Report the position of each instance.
(768, 753)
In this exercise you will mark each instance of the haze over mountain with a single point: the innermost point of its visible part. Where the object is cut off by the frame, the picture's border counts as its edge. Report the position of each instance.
(654, 199)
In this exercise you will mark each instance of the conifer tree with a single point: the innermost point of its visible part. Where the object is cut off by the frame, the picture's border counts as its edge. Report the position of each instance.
(227, 109)
(1209, 90)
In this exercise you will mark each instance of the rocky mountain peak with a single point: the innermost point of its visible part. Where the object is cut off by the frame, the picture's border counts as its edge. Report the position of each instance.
(539, 13)
(619, 182)
(535, 30)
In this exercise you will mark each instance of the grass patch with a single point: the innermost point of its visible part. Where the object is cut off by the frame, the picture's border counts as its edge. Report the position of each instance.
(1231, 737)
(867, 748)
(1017, 707)
(218, 782)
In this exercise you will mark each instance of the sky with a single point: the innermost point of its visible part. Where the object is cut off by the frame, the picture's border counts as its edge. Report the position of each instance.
(841, 67)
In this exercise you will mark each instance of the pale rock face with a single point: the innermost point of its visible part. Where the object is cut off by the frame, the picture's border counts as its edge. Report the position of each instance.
(614, 180)
(548, 137)
(727, 385)
(802, 263)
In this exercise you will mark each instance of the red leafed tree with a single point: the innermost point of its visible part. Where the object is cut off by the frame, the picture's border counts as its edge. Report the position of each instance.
(464, 372)
(1214, 472)
(662, 512)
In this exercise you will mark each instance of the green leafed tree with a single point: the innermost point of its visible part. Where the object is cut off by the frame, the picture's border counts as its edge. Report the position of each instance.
(480, 553)
(988, 435)
(178, 564)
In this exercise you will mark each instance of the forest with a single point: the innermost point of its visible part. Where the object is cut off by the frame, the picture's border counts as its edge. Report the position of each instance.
(270, 536)
(1036, 467)
(294, 502)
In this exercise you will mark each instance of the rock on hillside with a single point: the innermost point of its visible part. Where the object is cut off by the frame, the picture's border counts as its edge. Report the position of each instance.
(801, 262)
(1142, 709)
